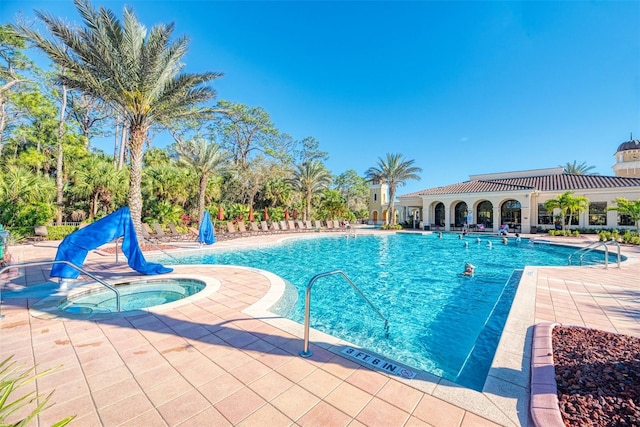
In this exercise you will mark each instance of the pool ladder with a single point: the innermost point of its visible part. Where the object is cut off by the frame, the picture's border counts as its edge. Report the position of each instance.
(585, 250)
(70, 264)
(307, 307)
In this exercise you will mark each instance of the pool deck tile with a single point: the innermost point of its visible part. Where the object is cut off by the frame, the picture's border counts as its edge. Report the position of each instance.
(223, 359)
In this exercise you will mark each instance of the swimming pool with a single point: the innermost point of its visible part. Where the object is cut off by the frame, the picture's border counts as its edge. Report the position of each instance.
(133, 296)
(439, 321)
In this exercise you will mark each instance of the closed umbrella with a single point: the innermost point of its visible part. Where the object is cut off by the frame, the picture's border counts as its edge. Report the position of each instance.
(286, 214)
(251, 213)
(206, 233)
(220, 213)
(266, 214)
(295, 214)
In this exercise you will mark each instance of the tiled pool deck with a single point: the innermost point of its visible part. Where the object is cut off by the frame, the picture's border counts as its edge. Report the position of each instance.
(222, 359)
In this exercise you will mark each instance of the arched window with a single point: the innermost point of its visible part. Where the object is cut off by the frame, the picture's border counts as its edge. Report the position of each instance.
(484, 213)
(510, 213)
(439, 214)
(460, 214)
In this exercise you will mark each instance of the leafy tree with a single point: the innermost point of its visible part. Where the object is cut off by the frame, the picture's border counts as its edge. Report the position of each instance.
(333, 205)
(277, 192)
(567, 204)
(310, 150)
(97, 179)
(354, 189)
(207, 159)
(246, 131)
(578, 168)
(310, 179)
(134, 71)
(628, 207)
(394, 171)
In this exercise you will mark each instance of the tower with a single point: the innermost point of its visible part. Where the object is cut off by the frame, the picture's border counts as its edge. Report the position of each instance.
(378, 202)
(628, 159)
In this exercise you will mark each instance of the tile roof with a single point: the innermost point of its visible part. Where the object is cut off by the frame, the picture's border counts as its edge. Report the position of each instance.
(557, 182)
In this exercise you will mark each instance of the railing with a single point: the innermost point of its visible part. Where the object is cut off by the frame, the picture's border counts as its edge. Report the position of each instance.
(307, 307)
(350, 232)
(591, 247)
(70, 264)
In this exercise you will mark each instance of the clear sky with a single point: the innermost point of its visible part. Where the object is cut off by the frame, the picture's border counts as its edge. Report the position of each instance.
(460, 87)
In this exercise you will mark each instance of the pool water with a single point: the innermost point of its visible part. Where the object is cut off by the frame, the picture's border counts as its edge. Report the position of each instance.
(133, 296)
(439, 320)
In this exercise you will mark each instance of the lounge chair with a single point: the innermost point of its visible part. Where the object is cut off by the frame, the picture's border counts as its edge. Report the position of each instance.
(291, 225)
(317, 224)
(264, 226)
(336, 224)
(329, 224)
(283, 226)
(301, 226)
(255, 229)
(176, 235)
(242, 229)
(160, 233)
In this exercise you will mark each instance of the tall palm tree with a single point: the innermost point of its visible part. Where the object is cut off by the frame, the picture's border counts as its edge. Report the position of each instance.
(578, 168)
(629, 207)
(310, 178)
(394, 171)
(207, 159)
(568, 204)
(135, 71)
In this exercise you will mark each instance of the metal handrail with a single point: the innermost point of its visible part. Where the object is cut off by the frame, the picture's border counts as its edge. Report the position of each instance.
(307, 307)
(592, 246)
(70, 264)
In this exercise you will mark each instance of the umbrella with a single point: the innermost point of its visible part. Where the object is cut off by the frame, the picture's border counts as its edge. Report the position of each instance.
(295, 214)
(286, 214)
(220, 213)
(251, 213)
(205, 233)
(266, 214)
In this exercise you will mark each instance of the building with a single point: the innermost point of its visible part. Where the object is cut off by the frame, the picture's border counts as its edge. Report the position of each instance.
(628, 159)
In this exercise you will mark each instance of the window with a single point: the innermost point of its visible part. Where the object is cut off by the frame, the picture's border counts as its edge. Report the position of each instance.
(544, 216)
(485, 213)
(625, 219)
(510, 212)
(460, 214)
(439, 214)
(598, 213)
(375, 197)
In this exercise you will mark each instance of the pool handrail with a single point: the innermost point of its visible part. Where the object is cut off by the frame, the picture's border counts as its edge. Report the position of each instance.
(307, 307)
(585, 250)
(70, 264)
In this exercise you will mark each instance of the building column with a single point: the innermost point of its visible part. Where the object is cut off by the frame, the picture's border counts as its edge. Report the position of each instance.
(496, 218)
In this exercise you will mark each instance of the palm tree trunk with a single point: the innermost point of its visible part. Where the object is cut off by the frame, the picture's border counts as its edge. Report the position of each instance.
(136, 140)
(60, 160)
(392, 196)
(201, 202)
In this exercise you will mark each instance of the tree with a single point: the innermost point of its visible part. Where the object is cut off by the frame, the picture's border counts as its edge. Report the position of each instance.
(207, 159)
(135, 71)
(97, 179)
(578, 168)
(354, 189)
(567, 204)
(310, 179)
(631, 208)
(394, 171)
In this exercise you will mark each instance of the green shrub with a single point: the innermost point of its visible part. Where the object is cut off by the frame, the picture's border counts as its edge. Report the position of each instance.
(10, 381)
(59, 232)
(576, 233)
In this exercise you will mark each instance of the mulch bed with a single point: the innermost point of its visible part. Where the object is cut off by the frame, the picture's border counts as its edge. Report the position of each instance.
(598, 377)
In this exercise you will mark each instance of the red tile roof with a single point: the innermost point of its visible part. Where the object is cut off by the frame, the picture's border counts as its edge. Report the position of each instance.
(558, 182)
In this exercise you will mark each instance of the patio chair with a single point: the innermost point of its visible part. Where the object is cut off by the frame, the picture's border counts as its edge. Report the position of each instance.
(255, 228)
(160, 233)
(308, 225)
(301, 226)
(176, 235)
(317, 224)
(242, 229)
(283, 226)
(329, 225)
(41, 232)
(264, 227)
(291, 225)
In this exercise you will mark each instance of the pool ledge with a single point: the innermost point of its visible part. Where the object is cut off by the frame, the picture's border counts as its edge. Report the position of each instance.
(544, 407)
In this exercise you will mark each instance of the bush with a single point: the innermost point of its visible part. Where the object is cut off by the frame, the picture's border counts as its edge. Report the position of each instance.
(59, 232)
(10, 381)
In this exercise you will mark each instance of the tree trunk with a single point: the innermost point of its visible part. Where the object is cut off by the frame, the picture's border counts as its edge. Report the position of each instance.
(116, 149)
(123, 147)
(136, 140)
(201, 202)
(392, 196)
(60, 161)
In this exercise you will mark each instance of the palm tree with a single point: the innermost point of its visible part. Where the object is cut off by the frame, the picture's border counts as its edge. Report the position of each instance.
(578, 168)
(394, 171)
(310, 178)
(99, 180)
(631, 208)
(206, 159)
(568, 204)
(135, 71)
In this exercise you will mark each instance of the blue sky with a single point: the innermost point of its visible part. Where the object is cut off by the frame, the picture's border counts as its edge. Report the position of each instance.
(460, 87)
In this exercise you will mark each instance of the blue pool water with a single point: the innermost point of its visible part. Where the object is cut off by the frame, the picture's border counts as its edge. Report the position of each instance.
(133, 296)
(439, 321)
